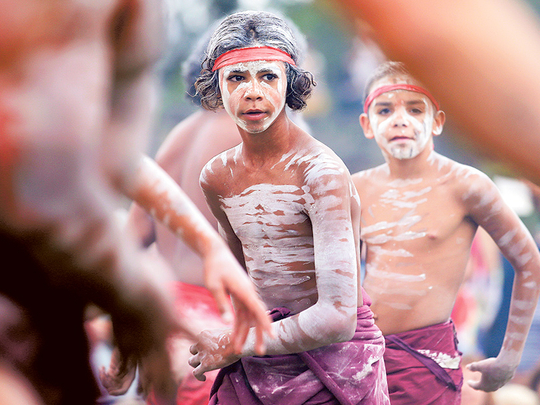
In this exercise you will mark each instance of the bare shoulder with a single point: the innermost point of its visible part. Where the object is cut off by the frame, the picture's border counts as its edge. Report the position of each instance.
(317, 159)
(178, 141)
(462, 176)
(465, 183)
(196, 139)
(218, 173)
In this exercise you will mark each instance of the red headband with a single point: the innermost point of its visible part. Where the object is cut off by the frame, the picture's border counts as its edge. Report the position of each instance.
(409, 87)
(240, 55)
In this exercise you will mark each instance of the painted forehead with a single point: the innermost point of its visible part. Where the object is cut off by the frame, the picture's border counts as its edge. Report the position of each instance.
(253, 67)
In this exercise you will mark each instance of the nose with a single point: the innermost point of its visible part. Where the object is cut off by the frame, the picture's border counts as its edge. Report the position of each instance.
(400, 118)
(253, 91)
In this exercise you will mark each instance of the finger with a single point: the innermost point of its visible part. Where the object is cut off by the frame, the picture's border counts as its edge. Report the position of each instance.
(194, 361)
(263, 323)
(260, 346)
(474, 384)
(240, 332)
(199, 374)
(193, 349)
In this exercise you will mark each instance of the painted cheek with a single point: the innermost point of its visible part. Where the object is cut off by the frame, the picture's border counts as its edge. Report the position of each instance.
(276, 97)
(379, 129)
(231, 99)
(225, 94)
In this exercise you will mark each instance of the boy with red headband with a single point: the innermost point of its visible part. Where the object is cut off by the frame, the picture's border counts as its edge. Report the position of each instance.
(289, 211)
(420, 212)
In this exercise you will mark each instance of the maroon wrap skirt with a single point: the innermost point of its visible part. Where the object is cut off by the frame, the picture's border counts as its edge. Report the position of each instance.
(423, 366)
(347, 373)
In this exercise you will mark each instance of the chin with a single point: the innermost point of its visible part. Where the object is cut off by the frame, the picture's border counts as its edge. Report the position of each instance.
(402, 154)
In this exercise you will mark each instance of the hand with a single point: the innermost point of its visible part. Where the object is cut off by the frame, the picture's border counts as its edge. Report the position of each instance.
(147, 309)
(224, 275)
(495, 373)
(213, 350)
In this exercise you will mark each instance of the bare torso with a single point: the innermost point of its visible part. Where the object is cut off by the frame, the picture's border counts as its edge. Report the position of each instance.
(270, 209)
(418, 237)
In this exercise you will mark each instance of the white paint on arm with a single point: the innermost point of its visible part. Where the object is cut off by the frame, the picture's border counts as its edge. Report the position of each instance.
(326, 201)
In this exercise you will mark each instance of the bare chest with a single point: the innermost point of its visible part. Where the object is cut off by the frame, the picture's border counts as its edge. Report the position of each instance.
(269, 212)
(410, 216)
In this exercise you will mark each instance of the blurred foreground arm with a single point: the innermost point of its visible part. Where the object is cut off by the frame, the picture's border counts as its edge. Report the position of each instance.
(481, 58)
(161, 196)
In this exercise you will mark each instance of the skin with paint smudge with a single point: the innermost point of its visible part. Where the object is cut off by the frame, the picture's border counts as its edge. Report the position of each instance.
(290, 213)
(259, 79)
(420, 212)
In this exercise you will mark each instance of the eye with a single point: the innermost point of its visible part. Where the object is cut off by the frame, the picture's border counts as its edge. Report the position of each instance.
(235, 78)
(383, 111)
(416, 111)
(270, 76)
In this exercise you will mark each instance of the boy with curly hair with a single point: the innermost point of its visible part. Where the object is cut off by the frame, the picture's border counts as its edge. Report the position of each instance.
(289, 211)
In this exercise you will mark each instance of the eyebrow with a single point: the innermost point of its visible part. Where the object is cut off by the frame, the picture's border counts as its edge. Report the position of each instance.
(263, 70)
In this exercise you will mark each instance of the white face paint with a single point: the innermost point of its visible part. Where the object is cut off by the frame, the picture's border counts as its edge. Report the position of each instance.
(402, 121)
(254, 93)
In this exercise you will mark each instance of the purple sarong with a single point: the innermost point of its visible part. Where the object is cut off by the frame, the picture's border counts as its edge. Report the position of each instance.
(423, 366)
(348, 373)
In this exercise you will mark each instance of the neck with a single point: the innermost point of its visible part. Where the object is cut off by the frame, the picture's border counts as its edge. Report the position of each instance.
(419, 166)
(264, 147)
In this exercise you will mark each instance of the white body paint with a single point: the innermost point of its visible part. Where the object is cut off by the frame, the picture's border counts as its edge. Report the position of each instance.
(420, 213)
(253, 85)
(296, 236)
(411, 130)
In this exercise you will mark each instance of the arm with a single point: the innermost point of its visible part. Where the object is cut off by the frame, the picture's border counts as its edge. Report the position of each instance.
(156, 192)
(456, 62)
(333, 318)
(488, 209)
(141, 225)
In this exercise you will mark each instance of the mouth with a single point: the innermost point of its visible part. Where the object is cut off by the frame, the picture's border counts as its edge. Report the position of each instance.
(253, 114)
(401, 138)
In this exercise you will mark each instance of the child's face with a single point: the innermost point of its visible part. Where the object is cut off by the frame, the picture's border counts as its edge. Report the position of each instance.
(402, 122)
(254, 93)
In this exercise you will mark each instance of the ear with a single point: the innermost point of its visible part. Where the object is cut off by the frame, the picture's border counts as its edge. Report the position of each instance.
(438, 122)
(366, 126)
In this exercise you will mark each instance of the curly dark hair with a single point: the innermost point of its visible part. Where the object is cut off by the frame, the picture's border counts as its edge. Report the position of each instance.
(253, 28)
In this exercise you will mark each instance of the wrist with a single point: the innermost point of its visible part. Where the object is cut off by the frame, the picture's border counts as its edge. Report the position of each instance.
(509, 357)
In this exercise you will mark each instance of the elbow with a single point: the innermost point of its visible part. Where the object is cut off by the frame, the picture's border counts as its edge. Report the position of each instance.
(346, 330)
(340, 326)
